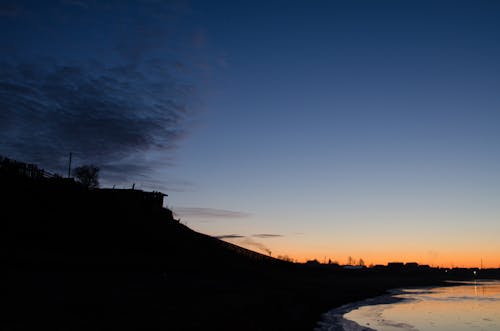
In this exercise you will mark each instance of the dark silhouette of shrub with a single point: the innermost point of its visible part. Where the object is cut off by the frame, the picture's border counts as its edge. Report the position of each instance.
(87, 175)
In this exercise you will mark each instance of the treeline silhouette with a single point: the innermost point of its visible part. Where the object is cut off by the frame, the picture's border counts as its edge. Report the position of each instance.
(97, 259)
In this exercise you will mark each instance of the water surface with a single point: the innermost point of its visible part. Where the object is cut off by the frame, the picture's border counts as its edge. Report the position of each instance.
(468, 306)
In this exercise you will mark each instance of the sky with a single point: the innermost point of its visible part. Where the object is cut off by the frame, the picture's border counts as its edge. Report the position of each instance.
(308, 129)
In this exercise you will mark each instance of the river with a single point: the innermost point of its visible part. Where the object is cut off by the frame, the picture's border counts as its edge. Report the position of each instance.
(465, 306)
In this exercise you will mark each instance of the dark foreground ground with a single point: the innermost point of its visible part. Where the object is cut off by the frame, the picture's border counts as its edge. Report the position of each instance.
(174, 300)
(73, 260)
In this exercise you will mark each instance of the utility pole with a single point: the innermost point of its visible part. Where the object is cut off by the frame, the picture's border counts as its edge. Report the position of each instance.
(69, 164)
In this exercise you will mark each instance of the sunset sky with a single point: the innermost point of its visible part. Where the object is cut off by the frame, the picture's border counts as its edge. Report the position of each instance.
(312, 129)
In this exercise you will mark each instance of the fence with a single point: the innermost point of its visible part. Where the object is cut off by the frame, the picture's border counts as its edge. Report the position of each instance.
(17, 168)
(246, 252)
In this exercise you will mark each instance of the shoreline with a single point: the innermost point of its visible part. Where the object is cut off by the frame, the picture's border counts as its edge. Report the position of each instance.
(372, 317)
(333, 320)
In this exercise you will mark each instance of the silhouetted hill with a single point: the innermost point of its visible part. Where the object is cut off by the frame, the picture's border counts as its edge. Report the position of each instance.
(57, 221)
(78, 259)
(69, 251)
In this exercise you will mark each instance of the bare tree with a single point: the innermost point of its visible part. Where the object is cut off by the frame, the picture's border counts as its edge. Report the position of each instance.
(87, 175)
(350, 260)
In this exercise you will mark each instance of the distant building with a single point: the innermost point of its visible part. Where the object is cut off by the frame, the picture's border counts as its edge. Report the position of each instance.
(14, 169)
(312, 263)
(411, 265)
(379, 266)
(395, 265)
(354, 267)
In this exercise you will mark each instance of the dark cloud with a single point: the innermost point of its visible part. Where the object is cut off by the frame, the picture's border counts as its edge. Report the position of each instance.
(266, 235)
(106, 115)
(230, 236)
(125, 113)
(209, 213)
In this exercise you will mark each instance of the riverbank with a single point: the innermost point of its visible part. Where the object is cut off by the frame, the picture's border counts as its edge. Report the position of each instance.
(455, 306)
(334, 319)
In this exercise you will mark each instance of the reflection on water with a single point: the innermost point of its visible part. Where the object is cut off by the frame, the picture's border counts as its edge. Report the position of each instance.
(471, 306)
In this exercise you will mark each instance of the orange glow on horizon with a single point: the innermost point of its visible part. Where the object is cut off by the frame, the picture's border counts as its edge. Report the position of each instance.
(446, 249)
(460, 259)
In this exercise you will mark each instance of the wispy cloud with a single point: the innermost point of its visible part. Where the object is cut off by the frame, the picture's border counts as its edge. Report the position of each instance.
(267, 235)
(209, 213)
(230, 236)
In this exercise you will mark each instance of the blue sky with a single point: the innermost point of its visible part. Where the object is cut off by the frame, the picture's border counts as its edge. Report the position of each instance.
(363, 128)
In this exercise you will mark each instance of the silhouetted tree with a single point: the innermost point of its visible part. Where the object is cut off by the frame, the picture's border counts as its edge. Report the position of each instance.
(87, 175)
